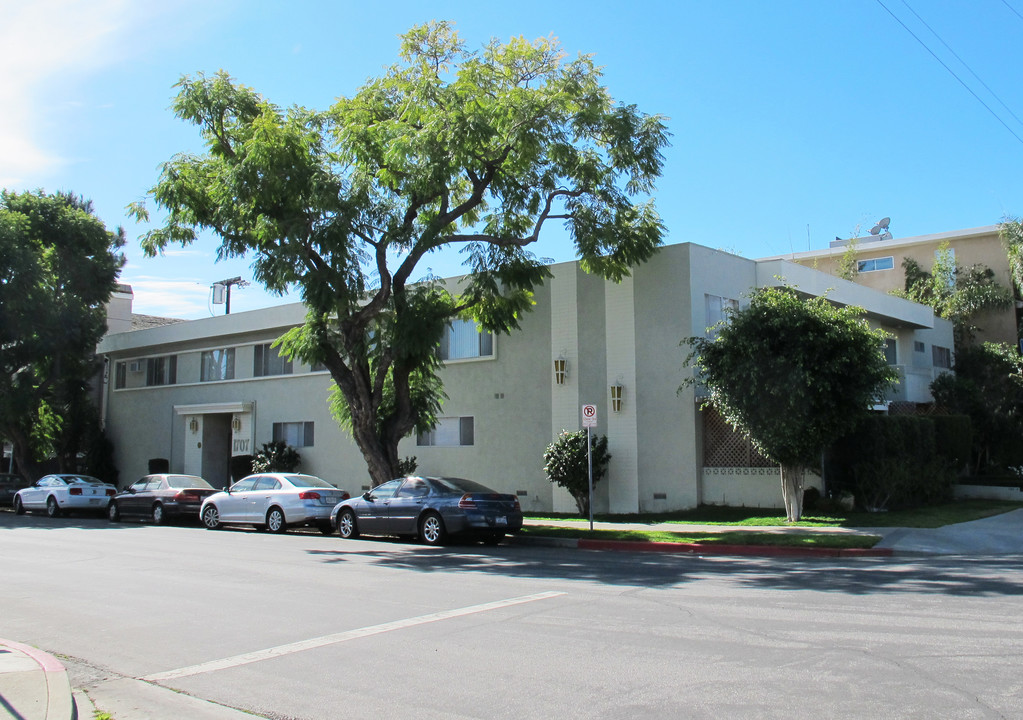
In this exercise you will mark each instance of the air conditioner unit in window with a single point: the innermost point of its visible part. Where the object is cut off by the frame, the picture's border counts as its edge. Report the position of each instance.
(135, 366)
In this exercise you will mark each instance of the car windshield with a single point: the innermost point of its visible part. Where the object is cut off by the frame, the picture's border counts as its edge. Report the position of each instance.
(451, 484)
(188, 481)
(304, 481)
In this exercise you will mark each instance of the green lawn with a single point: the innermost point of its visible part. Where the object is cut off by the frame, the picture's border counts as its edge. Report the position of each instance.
(927, 517)
(818, 540)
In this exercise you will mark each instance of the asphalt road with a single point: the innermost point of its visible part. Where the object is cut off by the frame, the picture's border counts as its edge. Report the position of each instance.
(305, 626)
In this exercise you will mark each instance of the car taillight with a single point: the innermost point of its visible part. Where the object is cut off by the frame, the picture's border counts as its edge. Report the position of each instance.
(467, 502)
(345, 495)
(516, 505)
(75, 491)
(111, 492)
(309, 495)
(187, 497)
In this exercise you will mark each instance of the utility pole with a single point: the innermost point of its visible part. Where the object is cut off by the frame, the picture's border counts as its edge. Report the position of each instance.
(222, 288)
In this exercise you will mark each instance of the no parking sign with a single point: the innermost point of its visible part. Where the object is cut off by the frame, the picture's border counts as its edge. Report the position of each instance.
(589, 416)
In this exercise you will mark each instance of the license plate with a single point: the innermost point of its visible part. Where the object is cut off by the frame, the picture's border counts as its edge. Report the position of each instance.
(500, 520)
(94, 501)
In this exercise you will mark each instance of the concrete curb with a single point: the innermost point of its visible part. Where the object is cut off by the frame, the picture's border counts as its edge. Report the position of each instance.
(58, 702)
(701, 549)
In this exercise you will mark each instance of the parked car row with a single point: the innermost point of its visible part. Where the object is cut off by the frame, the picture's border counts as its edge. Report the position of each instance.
(429, 508)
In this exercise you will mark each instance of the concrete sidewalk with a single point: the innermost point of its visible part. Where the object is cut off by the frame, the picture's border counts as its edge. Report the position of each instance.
(33, 684)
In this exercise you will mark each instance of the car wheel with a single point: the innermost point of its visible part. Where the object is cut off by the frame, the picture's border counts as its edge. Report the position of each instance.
(113, 512)
(346, 526)
(52, 508)
(431, 529)
(275, 522)
(19, 509)
(211, 517)
(158, 517)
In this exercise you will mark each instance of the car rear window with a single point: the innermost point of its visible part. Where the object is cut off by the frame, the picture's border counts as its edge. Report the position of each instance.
(461, 485)
(188, 481)
(308, 481)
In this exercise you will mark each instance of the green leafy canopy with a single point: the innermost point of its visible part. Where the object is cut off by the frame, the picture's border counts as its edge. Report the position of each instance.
(792, 373)
(449, 148)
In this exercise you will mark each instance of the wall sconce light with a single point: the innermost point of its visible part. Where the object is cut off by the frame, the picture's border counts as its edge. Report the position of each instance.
(193, 425)
(236, 423)
(560, 370)
(616, 397)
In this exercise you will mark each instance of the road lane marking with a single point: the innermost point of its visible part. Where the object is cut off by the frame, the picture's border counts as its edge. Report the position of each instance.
(269, 653)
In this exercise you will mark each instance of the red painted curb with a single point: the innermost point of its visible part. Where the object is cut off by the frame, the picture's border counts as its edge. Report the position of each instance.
(46, 661)
(761, 550)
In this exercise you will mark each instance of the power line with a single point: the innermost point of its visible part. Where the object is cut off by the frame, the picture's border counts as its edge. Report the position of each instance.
(956, 56)
(951, 72)
(1006, 3)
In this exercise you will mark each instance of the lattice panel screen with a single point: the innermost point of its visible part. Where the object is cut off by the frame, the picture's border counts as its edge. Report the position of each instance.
(724, 447)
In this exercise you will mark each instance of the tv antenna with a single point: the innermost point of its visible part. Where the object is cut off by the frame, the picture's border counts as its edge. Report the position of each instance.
(222, 291)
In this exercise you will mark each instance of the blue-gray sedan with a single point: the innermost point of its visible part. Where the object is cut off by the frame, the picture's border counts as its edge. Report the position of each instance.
(431, 508)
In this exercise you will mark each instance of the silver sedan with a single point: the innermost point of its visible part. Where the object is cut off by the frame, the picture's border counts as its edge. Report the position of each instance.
(273, 501)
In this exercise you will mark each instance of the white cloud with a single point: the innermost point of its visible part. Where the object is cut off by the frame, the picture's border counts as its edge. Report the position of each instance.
(169, 298)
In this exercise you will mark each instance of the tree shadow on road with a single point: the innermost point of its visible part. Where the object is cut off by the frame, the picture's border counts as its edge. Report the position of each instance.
(931, 575)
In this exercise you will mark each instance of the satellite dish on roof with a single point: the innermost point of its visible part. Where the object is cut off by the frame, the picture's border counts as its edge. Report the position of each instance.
(875, 230)
(883, 223)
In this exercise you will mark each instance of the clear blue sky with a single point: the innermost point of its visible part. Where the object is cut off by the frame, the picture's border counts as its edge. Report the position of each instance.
(793, 121)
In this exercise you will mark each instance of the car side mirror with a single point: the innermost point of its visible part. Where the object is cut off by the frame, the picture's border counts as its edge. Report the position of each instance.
(131, 491)
(367, 496)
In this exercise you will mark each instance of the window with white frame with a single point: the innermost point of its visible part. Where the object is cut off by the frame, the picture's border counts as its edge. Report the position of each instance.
(295, 434)
(716, 310)
(874, 264)
(217, 365)
(450, 432)
(463, 339)
(941, 357)
(162, 370)
(267, 361)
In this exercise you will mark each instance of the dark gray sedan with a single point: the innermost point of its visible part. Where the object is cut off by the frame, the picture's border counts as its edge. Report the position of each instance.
(160, 498)
(431, 508)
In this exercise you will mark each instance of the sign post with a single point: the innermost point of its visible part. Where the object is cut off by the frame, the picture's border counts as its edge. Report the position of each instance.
(589, 422)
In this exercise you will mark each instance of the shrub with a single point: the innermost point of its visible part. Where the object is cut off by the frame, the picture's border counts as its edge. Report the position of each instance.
(276, 456)
(566, 465)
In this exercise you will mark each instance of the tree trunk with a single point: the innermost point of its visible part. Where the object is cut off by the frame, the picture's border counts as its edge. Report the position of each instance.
(792, 490)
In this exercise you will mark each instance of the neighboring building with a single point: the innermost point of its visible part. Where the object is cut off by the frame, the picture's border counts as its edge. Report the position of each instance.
(880, 266)
(201, 391)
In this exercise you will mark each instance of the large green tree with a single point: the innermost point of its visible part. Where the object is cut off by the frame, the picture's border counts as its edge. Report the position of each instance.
(1011, 231)
(958, 294)
(987, 385)
(792, 374)
(448, 148)
(58, 266)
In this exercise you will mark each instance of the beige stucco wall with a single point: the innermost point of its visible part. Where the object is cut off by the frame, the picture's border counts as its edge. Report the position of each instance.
(979, 246)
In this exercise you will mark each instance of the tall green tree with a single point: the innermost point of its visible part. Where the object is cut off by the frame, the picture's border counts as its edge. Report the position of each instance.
(1011, 232)
(792, 374)
(987, 385)
(58, 266)
(958, 294)
(449, 148)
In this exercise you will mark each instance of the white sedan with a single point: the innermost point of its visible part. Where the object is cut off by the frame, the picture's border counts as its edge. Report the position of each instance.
(273, 501)
(63, 493)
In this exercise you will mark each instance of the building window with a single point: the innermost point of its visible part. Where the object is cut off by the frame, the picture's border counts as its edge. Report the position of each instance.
(918, 346)
(120, 375)
(891, 355)
(217, 365)
(295, 434)
(267, 361)
(462, 339)
(716, 311)
(883, 263)
(941, 357)
(162, 370)
(450, 432)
